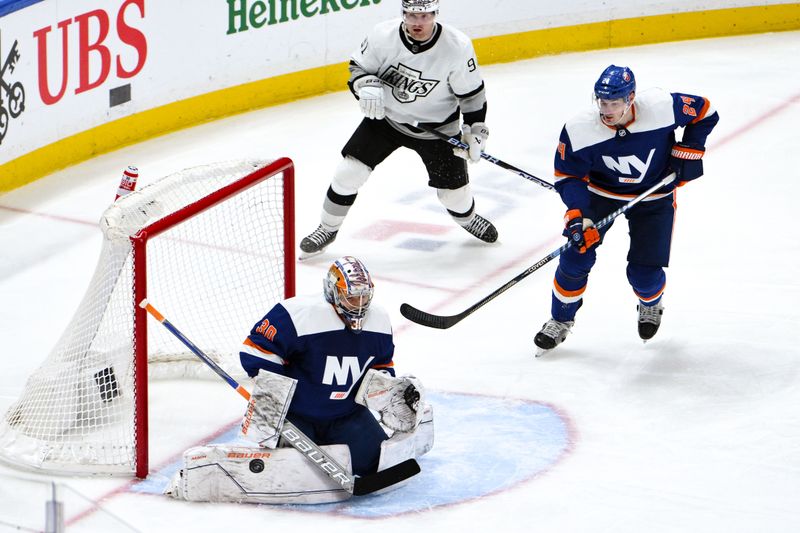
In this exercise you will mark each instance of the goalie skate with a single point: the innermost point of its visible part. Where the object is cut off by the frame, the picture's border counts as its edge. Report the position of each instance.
(482, 229)
(551, 335)
(316, 242)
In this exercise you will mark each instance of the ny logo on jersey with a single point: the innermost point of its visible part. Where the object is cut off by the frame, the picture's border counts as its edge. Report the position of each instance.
(408, 84)
(624, 164)
(340, 370)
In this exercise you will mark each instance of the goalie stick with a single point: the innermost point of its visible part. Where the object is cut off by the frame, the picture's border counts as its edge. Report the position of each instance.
(443, 322)
(499, 162)
(357, 486)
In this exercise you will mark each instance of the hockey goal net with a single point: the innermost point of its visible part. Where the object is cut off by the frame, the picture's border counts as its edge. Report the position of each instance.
(213, 247)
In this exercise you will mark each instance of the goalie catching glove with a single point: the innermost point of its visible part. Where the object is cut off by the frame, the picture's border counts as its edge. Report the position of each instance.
(474, 137)
(370, 96)
(267, 408)
(398, 401)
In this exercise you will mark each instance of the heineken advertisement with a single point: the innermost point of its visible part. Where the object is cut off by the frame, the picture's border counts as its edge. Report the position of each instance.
(83, 77)
(244, 15)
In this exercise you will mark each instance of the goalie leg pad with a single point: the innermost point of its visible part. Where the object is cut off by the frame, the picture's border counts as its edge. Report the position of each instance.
(411, 445)
(267, 408)
(240, 474)
(402, 446)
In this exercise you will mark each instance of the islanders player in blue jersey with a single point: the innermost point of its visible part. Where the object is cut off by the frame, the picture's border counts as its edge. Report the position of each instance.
(603, 160)
(323, 363)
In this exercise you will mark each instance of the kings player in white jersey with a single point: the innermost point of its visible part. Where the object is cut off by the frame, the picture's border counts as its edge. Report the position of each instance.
(406, 72)
(603, 160)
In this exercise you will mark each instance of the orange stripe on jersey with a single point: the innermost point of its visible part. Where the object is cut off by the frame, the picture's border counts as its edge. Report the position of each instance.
(390, 364)
(609, 194)
(569, 294)
(702, 114)
(561, 175)
(248, 342)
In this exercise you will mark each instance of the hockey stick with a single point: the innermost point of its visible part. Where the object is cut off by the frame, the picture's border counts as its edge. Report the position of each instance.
(444, 322)
(357, 486)
(499, 162)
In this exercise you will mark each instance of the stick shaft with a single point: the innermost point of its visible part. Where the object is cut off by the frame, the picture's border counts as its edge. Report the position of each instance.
(499, 162)
(443, 322)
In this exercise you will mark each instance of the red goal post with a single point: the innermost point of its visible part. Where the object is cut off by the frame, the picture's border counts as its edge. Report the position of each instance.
(214, 245)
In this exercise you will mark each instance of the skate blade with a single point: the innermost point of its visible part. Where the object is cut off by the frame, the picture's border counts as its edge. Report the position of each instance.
(541, 351)
(305, 256)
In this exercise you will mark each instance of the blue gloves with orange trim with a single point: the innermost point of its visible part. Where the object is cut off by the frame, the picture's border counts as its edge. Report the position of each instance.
(581, 231)
(687, 161)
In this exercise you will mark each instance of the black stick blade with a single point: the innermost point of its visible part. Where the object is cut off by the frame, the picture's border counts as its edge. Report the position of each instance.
(386, 478)
(426, 319)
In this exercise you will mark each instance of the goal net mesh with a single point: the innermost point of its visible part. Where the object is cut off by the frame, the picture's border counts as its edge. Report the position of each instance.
(213, 271)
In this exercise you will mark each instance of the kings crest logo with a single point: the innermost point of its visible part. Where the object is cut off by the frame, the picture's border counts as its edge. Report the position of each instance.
(12, 95)
(408, 84)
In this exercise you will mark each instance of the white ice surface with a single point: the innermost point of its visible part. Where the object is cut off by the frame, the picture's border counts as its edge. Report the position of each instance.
(698, 430)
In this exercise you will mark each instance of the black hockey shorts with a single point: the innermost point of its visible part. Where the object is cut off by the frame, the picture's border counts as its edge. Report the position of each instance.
(374, 140)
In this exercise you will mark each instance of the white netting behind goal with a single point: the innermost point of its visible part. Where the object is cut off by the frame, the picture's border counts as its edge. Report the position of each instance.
(208, 247)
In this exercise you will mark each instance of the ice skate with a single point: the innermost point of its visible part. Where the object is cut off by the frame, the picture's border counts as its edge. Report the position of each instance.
(551, 335)
(316, 242)
(482, 229)
(649, 320)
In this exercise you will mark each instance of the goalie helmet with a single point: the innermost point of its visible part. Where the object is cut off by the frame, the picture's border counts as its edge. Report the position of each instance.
(420, 6)
(615, 82)
(348, 288)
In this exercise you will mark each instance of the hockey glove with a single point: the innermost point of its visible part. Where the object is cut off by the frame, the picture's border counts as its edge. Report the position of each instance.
(581, 231)
(370, 96)
(475, 138)
(687, 162)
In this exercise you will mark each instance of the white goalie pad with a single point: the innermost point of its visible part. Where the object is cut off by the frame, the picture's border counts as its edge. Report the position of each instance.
(267, 408)
(241, 474)
(397, 400)
(408, 445)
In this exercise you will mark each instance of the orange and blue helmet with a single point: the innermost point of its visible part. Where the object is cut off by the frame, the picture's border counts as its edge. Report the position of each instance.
(348, 287)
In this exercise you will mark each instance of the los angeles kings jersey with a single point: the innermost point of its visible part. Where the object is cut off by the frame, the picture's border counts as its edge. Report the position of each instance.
(621, 163)
(303, 338)
(423, 82)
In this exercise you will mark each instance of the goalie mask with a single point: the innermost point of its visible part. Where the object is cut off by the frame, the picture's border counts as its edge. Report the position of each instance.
(348, 288)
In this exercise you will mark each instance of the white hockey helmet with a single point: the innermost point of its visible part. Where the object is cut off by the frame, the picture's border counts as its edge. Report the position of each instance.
(420, 6)
(348, 288)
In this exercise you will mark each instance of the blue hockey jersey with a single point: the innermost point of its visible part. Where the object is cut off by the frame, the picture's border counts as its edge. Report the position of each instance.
(621, 163)
(303, 338)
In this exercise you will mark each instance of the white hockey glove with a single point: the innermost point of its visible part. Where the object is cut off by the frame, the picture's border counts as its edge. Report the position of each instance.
(267, 408)
(399, 401)
(370, 96)
(474, 137)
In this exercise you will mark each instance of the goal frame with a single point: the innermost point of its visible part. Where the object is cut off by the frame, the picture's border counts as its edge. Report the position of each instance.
(139, 242)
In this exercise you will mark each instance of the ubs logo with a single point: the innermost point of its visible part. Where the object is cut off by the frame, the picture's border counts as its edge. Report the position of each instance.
(12, 95)
(407, 83)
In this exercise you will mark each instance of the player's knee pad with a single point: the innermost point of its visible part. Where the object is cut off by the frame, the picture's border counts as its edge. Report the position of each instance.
(349, 176)
(241, 474)
(458, 202)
